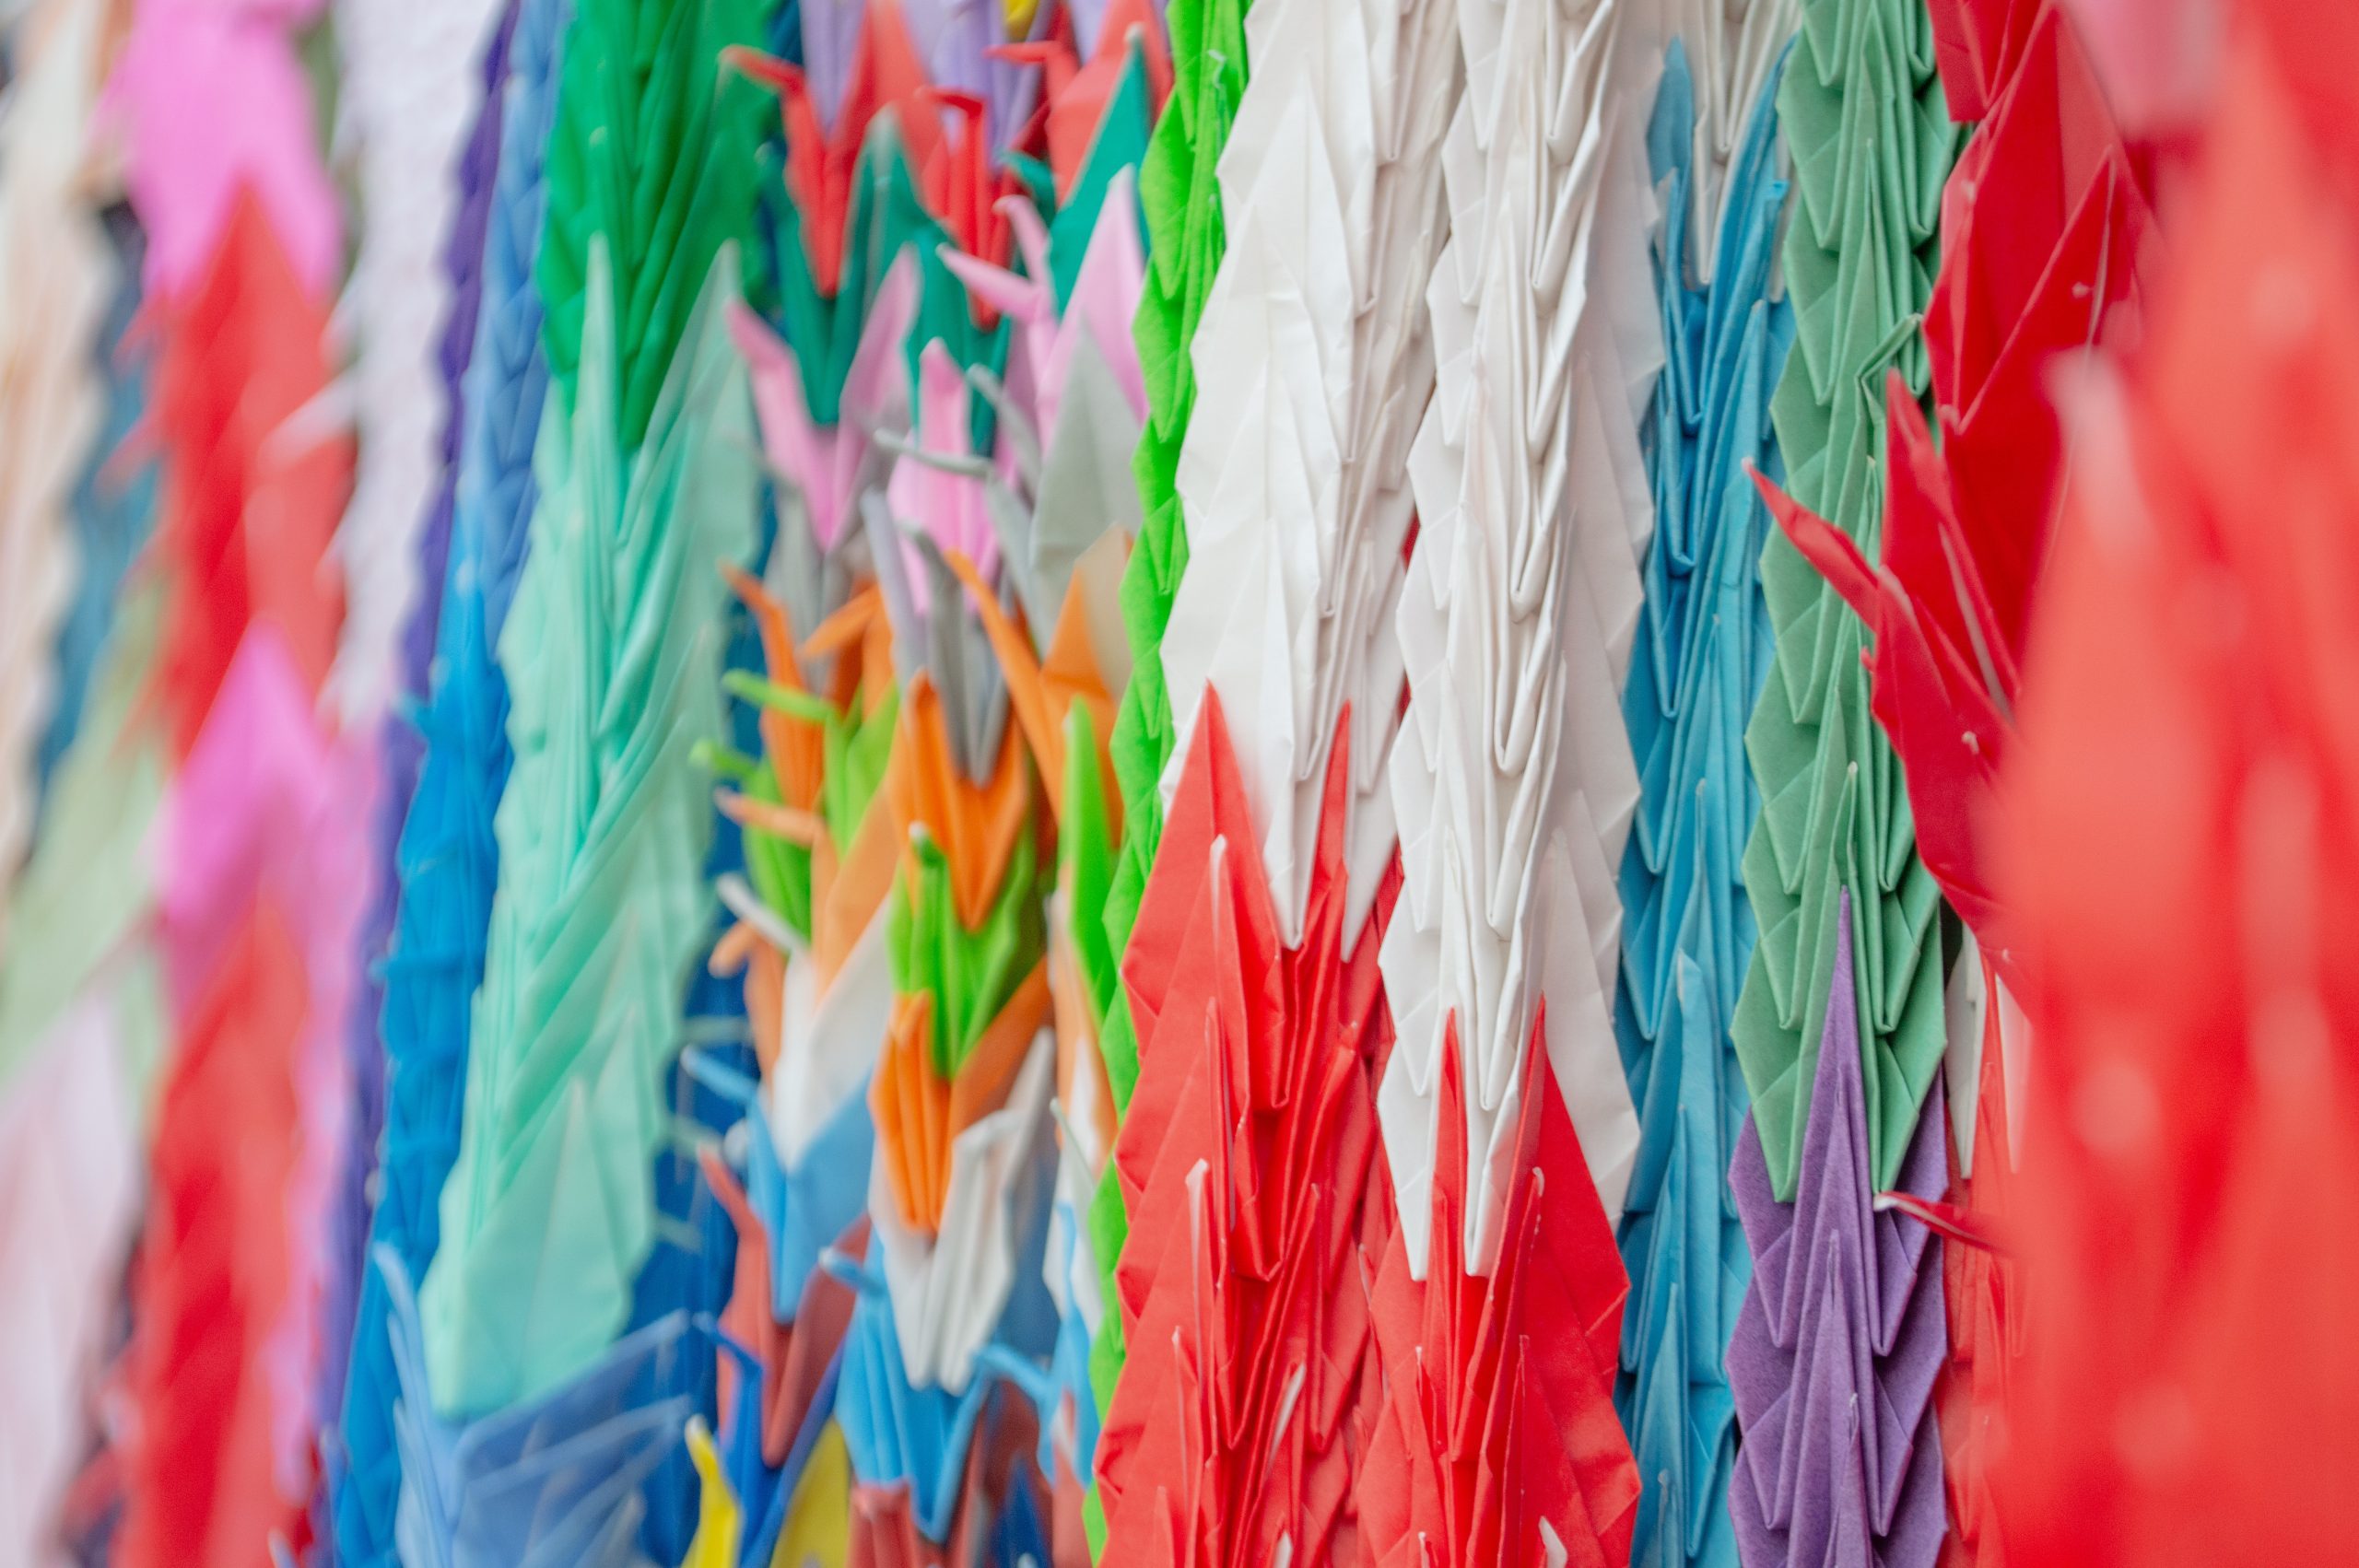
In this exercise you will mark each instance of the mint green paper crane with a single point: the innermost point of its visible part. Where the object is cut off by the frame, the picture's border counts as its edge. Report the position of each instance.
(614, 652)
(1871, 144)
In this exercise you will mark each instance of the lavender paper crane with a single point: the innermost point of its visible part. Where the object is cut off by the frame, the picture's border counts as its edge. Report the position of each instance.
(1840, 1334)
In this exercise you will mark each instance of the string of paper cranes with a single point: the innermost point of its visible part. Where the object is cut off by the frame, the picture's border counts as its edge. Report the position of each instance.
(1178, 783)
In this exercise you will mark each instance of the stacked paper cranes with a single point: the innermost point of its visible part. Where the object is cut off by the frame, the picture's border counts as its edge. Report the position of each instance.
(79, 1022)
(1513, 785)
(1109, 782)
(1861, 107)
(420, 104)
(254, 904)
(57, 287)
(2182, 1159)
(1844, 1314)
(1185, 242)
(1246, 1155)
(1850, 958)
(447, 856)
(946, 394)
(529, 1418)
(1702, 653)
(1964, 538)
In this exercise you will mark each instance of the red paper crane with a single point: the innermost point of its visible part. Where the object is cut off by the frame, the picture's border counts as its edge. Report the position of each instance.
(822, 165)
(1248, 1157)
(953, 169)
(1075, 93)
(794, 1356)
(1496, 1442)
(1977, 44)
(205, 1486)
(251, 498)
(1982, 1290)
(2182, 832)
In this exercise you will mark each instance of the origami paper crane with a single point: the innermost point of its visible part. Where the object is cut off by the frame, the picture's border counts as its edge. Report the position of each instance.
(1733, 54)
(259, 915)
(810, 938)
(1862, 111)
(1978, 44)
(647, 152)
(448, 856)
(828, 117)
(406, 103)
(1247, 1163)
(401, 747)
(1703, 648)
(260, 954)
(217, 114)
(90, 891)
(215, 1267)
(253, 493)
(1513, 780)
(1312, 362)
(1066, 417)
(1495, 1440)
(81, 1031)
(954, 1465)
(2167, 867)
(1841, 1333)
(56, 276)
(550, 1479)
(791, 1341)
(2160, 63)
(465, 262)
(1967, 528)
(114, 504)
(82, 1023)
(827, 795)
(69, 1168)
(575, 1025)
(1966, 533)
(1982, 1282)
(1185, 240)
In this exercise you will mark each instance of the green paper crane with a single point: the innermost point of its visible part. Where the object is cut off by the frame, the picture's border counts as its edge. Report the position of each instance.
(1871, 144)
(652, 151)
(1186, 238)
(614, 652)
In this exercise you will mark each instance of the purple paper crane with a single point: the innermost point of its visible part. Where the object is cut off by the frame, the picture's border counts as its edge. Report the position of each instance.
(1840, 1334)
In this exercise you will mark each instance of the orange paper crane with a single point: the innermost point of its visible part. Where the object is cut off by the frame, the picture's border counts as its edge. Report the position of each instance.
(847, 885)
(943, 1069)
(1045, 692)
